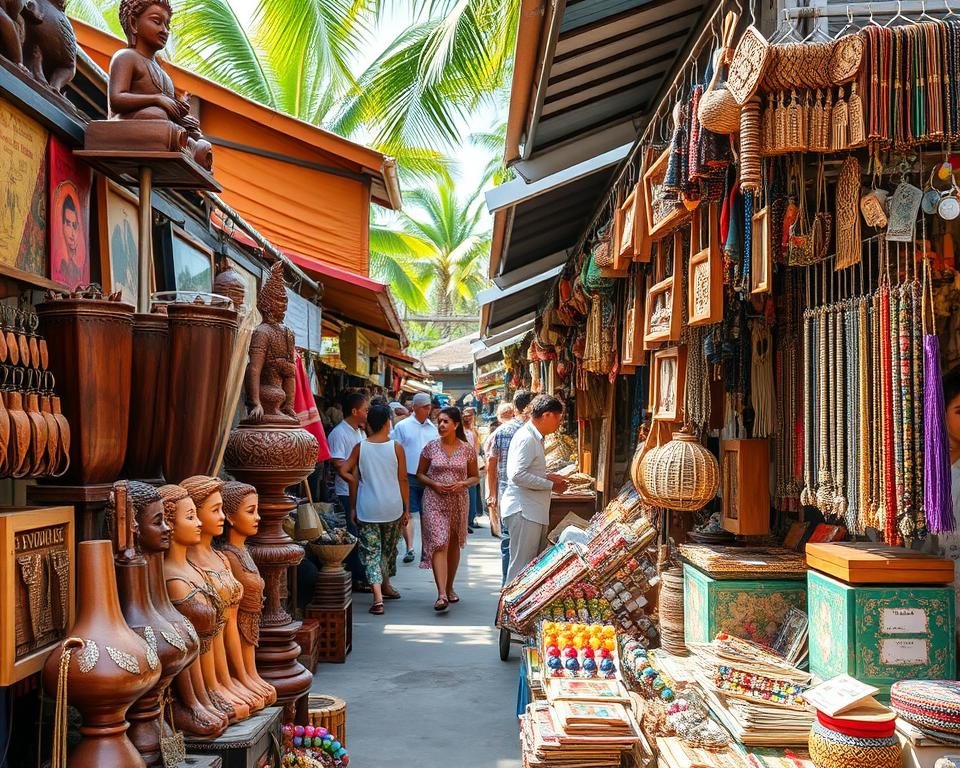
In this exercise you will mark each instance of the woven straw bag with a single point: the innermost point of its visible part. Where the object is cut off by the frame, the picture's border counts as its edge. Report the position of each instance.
(682, 475)
(718, 110)
(747, 67)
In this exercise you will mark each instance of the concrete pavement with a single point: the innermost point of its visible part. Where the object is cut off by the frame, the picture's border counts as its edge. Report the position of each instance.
(428, 690)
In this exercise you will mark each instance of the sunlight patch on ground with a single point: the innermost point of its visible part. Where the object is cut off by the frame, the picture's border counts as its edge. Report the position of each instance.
(431, 633)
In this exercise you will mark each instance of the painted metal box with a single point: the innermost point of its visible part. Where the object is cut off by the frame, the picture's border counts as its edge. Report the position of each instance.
(880, 634)
(749, 608)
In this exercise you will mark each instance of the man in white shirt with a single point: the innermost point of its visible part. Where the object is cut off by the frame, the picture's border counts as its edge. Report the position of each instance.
(342, 440)
(525, 505)
(413, 434)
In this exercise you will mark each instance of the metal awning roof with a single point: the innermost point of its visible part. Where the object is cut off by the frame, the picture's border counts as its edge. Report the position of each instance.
(587, 75)
(535, 224)
(503, 310)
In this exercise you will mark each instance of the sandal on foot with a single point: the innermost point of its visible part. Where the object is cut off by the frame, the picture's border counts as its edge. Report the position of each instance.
(377, 609)
(454, 598)
(392, 595)
(441, 605)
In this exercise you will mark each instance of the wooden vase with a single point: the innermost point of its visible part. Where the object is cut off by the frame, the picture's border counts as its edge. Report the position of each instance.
(170, 652)
(148, 398)
(201, 344)
(91, 350)
(108, 669)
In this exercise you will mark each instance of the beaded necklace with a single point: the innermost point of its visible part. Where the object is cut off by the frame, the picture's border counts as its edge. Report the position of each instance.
(877, 475)
(889, 459)
(918, 417)
(907, 521)
(809, 378)
(896, 401)
(865, 408)
(838, 402)
(825, 480)
(851, 349)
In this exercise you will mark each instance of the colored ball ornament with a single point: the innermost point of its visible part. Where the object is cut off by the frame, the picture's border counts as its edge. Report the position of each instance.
(321, 732)
(604, 653)
(606, 665)
(554, 662)
(288, 729)
(589, 665)
(649, 672)
(572, 664)
(945, 171)
(596, 643)
(298, 741)
(335, 746)
(570, 652)
(309, 731)
(553, 651)
(588, 653)
(298, 730)
(346, 759)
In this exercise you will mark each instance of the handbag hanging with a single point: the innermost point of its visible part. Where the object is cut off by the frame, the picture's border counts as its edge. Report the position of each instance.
(822, 232)
(800, 244)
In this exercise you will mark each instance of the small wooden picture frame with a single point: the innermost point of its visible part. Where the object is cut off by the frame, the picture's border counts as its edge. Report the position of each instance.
(663, 216)
(118, 210)
(745, 486)
(668, 382)
(624, 222)
(632, 352)
(664, 310)
(642, 244)
(761, 254)
(705, 278)
(187, 263)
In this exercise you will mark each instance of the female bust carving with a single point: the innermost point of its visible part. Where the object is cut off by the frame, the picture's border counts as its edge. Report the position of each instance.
(139, 88)
(269, 380)
(194, 709)
(240, 505)
(226, 653)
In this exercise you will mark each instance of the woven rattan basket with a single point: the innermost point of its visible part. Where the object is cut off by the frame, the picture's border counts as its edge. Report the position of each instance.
(328, 712)
(681, 475)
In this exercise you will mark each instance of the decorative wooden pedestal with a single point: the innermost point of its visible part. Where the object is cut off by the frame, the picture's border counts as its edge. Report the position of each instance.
(248, 744)
(336, 632)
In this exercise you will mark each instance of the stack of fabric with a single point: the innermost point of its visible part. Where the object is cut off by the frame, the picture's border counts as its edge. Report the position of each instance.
(931, 706)
(863, 736)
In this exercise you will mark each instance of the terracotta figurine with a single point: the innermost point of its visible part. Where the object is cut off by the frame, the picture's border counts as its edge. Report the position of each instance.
(49, 43)
(139, 88)
(240, 504)
(269, 381)
(227, 653)
(196, 709)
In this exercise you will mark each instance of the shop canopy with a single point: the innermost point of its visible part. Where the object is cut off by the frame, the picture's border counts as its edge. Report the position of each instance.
(502, 310)
(485, 353)
(535, 225)
(588, 74)
(304, 188)
(358, 300)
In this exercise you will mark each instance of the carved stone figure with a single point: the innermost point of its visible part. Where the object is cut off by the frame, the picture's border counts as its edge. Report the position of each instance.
(270, 377)
(11, 31)
(50, 44)
(139, 88)
(226, 651)
(195, 710)
(240, 505)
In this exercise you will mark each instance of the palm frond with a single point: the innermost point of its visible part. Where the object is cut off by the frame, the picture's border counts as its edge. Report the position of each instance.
(101, 14)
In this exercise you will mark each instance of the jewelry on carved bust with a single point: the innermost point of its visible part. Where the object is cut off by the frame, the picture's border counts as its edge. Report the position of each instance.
(124, 660)
(150, 636)
(174, 638)
(88, 656)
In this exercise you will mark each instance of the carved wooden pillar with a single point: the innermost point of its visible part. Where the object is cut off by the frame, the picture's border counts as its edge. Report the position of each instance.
(272, 458)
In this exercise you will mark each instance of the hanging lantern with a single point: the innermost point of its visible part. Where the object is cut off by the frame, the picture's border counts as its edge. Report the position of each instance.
(681, 475)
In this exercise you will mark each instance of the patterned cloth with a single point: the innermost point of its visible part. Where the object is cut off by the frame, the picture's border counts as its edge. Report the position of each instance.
(378, 549)
(444, 516)
(931, 705)
(501, 446)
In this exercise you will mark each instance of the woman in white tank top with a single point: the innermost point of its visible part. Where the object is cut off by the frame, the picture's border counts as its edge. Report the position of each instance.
(376, 471)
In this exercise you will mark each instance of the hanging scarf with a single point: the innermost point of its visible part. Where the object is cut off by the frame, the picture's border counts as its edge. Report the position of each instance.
(937, 481)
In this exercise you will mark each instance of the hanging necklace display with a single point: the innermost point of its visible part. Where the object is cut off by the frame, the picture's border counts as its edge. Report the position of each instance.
(848, 218)
(904, 206)
(822, 232)
(807, 493)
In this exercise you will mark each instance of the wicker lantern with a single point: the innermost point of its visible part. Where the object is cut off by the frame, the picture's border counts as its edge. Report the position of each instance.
(681, 475)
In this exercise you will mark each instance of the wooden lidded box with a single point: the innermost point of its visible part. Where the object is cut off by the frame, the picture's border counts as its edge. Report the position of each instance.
(749, 608)
(37, 572)
(870, 563)
(745, 485)
(880, 634)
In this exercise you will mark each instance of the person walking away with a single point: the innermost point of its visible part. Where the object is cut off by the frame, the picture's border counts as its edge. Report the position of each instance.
(448, 467)
(504, 416)
(497, 470)
(342, 439)
(525, 506)
(376, 472)
(413, 433)
(473, 440)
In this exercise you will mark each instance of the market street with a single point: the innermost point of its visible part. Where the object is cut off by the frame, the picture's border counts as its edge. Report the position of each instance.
(429, 689)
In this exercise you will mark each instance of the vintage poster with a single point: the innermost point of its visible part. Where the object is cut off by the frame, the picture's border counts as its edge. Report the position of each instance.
(23, 200)
(119, 214)
(69, 217)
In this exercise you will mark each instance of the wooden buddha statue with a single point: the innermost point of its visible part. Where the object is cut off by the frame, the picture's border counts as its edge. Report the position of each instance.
(240, 505)
(226, 652)
(270, 378)
(139, 89)
(196, 709)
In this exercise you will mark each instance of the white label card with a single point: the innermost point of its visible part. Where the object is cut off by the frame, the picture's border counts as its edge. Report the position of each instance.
(903, 621)
(904, 651)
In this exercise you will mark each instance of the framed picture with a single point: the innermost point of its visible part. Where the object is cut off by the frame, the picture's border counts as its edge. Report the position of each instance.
(761, 255)
(669, 380)
(663, 212)
(119, 240)
(187, 263)
(663, 311)
(705, 279)
(69, 221)
(641, 230)
(624, 223)
(632, 351)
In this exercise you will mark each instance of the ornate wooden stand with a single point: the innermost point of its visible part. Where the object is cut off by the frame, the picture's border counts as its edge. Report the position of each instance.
(272, 458)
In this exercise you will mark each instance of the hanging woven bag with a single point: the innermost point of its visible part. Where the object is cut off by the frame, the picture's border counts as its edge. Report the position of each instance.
(718, 111)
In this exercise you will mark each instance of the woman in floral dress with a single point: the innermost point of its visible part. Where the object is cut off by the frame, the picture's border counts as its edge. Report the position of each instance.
(448, 467)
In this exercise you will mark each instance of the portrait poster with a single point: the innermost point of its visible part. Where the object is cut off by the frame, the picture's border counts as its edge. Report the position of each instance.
(119, 249)
(69, 217)
(23, 194)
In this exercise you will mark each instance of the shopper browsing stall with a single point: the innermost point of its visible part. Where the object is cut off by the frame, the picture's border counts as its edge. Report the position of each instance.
(413, 434)
(525, 506)
(448, 468)
(470, 430)
(376, 472)
(344, 437)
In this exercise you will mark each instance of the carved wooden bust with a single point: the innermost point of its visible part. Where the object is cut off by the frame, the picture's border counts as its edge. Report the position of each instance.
(139, 88)
(269, 381)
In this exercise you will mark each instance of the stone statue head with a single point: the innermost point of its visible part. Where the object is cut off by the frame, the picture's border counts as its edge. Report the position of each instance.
(137, 20)
(272, 301)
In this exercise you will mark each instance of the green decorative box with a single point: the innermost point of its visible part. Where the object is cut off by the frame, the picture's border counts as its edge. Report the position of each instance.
(751, 608)
(880, 634)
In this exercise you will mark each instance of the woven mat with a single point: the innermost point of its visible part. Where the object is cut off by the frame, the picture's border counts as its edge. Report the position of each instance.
(745, 562)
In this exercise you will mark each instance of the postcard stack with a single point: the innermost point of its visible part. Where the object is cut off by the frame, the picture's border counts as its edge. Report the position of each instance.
(583, 724)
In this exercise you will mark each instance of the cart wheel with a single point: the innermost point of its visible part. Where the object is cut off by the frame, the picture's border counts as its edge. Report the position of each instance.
(504, 644)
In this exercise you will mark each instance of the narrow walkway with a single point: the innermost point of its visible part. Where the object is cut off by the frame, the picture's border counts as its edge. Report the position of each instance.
(426, 689)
